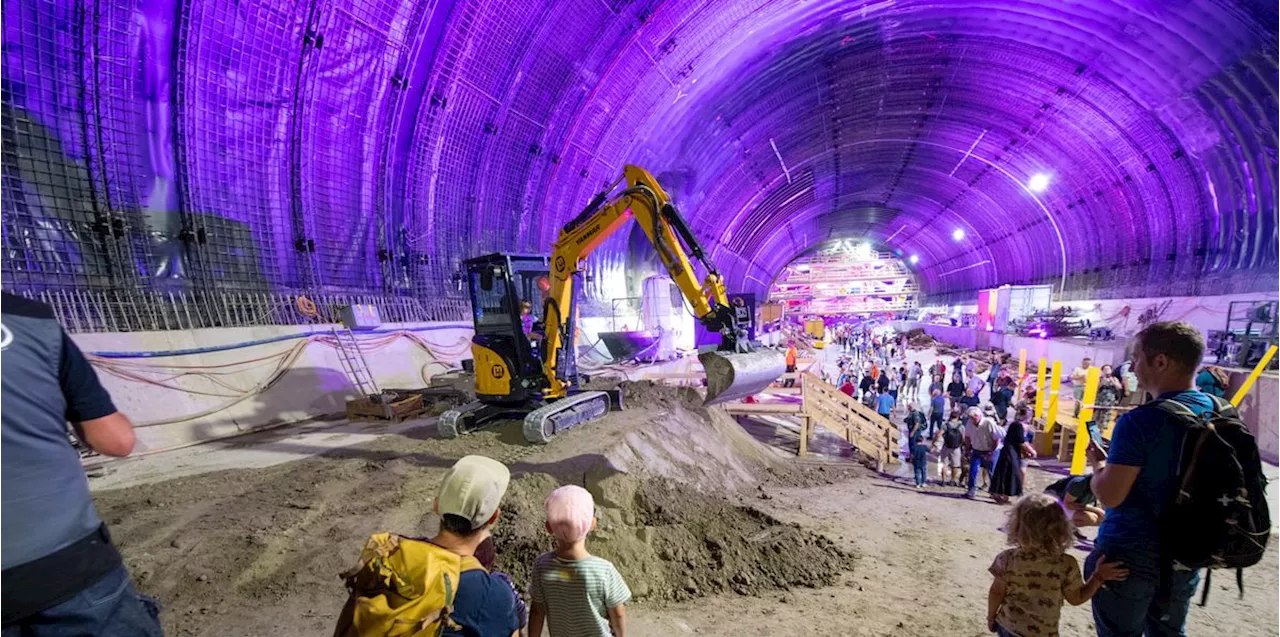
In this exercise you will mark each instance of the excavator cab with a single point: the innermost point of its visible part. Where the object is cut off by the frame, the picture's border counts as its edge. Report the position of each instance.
(508, 369)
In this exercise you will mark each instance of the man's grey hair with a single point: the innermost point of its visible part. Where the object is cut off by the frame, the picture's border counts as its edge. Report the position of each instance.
(975, 413)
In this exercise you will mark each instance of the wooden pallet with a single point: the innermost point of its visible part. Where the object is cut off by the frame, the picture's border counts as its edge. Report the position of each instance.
(395, 410)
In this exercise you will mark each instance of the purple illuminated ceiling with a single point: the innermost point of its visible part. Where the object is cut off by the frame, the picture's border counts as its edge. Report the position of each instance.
(396, 137)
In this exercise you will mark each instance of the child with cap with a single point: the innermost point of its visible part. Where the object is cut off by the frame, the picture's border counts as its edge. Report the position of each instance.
(578, 594)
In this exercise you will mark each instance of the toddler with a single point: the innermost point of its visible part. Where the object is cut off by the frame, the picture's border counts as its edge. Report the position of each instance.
(1034, 577)
(577, 594)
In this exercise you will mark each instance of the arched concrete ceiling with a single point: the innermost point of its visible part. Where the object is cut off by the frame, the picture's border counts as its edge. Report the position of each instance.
(900, 121)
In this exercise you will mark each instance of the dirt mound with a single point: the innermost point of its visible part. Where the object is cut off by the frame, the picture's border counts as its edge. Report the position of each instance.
(664, 432)
(671, 542)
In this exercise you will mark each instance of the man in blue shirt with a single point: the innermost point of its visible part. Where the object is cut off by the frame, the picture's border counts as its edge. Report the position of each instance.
(1135, 481)
(884, 404)
(937, 411)
(61, 574)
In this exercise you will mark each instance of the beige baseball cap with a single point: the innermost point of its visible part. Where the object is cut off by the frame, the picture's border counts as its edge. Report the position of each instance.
(473, 489)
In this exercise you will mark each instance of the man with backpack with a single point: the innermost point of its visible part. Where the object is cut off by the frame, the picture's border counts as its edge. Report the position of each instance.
(438, 585)
(1183, 489)
(952, 437)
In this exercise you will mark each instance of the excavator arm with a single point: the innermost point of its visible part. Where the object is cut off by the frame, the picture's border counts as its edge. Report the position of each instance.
(732, 370)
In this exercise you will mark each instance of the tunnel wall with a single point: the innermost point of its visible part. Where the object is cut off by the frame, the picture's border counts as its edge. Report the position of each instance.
(315, 385)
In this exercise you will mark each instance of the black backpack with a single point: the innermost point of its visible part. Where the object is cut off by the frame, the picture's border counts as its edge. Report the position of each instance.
(1218, 517)
(953, 437)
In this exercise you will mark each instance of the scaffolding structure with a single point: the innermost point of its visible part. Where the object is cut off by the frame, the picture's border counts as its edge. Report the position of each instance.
(846, 282)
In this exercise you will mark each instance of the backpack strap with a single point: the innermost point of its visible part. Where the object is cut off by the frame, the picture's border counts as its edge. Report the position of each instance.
(1177, 409)
(1208, 583)
(1223, 407)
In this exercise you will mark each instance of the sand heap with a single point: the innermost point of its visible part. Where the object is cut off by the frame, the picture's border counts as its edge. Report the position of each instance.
(257, 551)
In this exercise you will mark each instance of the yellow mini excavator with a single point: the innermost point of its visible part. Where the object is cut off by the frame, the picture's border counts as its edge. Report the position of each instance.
(515, 378)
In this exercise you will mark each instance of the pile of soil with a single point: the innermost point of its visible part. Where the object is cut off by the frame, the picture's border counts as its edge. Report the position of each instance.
(918, 339)
(672, 543)
(258, 551)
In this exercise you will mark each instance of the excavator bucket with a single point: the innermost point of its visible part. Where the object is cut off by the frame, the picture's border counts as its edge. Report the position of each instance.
(731, 376)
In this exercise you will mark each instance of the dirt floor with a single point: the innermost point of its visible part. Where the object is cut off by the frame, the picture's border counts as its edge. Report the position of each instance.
(716, 532)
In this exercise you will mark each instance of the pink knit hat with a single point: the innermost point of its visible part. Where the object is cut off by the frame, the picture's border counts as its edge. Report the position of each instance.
(570, 511)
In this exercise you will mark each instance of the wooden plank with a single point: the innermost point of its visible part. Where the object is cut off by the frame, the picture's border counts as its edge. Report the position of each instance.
(762, 408)
(782, 390)
(805, 429)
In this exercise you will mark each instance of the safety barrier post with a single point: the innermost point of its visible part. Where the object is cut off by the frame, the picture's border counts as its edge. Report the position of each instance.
(1086, 414)
(1051, 402)
(1040, 397)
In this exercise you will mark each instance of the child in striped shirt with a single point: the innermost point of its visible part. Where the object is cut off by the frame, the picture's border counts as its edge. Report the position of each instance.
(576, 593)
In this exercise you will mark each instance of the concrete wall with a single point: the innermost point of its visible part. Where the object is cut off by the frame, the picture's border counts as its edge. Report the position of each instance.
(204, 406)
(1121, 315)
(1069, 351)
(1260, 410)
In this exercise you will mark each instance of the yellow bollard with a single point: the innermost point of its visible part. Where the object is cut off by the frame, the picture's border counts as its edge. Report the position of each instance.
(1022, 366)
(1086, 414)
(1040, 397)
(1051, 403)
(1253, 377)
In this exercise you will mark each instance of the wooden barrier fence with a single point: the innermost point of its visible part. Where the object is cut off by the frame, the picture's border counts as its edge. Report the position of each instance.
(822, 404)
(861, 426)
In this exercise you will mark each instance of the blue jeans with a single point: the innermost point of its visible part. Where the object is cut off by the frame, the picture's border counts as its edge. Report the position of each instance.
(920, 463)
(1153, 600)
(110, 607)
(978, 459)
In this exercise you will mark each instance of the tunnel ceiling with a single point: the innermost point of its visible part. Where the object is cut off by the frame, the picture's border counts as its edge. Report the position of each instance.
(898, 121)
(367, 146)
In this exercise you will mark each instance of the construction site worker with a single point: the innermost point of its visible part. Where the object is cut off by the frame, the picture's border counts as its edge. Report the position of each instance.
(62, 575)
(791, 365)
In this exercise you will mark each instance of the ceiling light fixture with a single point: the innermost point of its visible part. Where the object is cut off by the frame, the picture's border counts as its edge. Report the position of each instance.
(958, 234)
(1039, 182)
(915, 258)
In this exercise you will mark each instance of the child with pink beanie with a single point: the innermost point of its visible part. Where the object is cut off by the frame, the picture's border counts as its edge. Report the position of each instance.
(576, 593)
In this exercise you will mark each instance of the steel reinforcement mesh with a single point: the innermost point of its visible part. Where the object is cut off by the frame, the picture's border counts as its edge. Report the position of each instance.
(206, 176)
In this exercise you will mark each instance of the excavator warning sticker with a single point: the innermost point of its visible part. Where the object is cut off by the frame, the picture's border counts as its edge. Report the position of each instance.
(559, 264)
(498, 371)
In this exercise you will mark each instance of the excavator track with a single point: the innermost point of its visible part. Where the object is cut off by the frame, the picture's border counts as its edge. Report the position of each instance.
(476, 415)
(452, 422)
(545, 422)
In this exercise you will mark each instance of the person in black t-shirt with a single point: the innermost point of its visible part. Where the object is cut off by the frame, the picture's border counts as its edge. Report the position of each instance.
(955, 389)
(1001, 398)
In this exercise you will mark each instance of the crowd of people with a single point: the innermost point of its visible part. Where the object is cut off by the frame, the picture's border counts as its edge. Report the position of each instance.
(958, 415)
(949, 419)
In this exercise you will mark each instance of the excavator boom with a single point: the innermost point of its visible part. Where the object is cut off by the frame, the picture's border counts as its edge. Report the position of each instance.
(733, 370)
